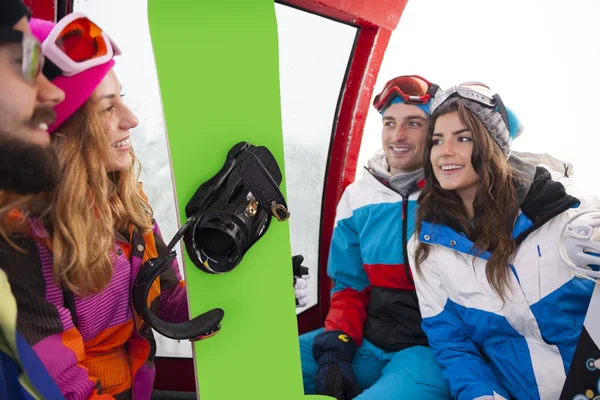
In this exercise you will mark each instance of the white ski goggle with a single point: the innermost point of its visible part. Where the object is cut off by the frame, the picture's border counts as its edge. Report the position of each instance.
(475, 91)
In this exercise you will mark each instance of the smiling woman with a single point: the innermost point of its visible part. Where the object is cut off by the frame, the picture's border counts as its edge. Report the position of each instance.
(117, 119)
(91, 238)
(489, 211)
(468, 176)
(452, 152)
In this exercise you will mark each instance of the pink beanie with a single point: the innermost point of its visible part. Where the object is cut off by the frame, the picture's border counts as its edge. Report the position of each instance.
(78, 88)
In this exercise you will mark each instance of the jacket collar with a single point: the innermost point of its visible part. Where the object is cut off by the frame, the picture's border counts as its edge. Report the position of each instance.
(545, 200)
(403, 184)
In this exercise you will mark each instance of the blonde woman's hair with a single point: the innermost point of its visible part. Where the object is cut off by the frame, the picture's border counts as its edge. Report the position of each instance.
(86, 207)
(89, 204)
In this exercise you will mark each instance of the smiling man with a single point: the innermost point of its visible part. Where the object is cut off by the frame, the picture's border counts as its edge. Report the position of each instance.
(403, 138)
(27, 163)
(372, 346)
(27, 166)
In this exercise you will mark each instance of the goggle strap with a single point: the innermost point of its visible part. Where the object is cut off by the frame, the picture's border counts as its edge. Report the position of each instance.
(502, 110)
(51, 71)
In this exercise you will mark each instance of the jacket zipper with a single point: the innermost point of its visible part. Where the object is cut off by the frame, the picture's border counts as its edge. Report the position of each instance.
(405, 239)
(404, 224)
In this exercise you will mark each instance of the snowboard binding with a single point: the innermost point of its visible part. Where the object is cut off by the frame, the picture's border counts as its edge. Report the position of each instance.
(225, 217)
(233, 210)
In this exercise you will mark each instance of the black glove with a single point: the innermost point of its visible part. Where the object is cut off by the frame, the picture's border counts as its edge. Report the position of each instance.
(300, 283)
(334, 351)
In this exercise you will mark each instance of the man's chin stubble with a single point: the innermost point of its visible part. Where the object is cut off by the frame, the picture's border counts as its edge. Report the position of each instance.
(26, 168)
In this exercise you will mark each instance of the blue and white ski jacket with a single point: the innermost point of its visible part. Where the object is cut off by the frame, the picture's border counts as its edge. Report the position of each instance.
(520, 349)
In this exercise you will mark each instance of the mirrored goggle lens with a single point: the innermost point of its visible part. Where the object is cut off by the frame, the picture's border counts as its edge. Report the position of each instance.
(409, 86)
(33, 60)
(82, 40)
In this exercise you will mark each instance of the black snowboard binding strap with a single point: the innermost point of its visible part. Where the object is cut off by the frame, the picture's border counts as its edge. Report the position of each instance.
(226, 216)
(204, 325)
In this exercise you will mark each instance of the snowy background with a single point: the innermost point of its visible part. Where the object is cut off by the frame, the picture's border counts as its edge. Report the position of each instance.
(542, 57)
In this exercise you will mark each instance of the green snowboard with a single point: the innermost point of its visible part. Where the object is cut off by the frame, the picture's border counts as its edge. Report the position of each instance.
(218, 70)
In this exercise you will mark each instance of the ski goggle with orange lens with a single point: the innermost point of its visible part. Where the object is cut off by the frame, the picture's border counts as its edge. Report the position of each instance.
(32, 60)
(412, 89)
(76, 44)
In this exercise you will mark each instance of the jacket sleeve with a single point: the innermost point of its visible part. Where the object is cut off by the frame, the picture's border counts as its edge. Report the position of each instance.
(350, 293)
(46, 325)
(464, 368)
(173, 303)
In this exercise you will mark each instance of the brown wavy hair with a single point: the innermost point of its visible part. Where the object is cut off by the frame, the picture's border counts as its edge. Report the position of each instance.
(89, 204)
(495, 205)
